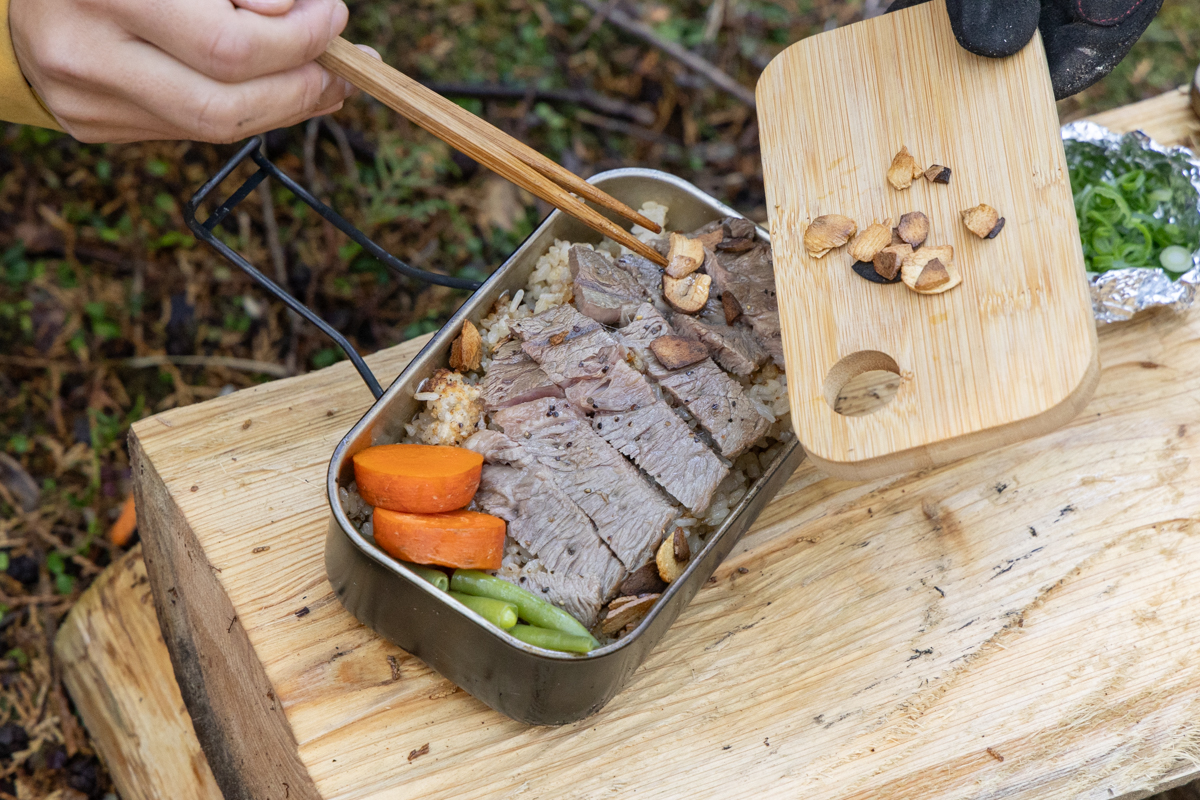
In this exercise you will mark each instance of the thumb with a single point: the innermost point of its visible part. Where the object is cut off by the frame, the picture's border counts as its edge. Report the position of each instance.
(993, 28)
(268, 8)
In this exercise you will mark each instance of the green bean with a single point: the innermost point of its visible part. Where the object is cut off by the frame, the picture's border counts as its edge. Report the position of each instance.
(499, 613)
(430, 575)
(553, 640)
(530, 607)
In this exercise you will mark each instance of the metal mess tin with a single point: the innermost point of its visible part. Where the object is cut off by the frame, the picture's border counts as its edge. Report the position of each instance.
(527, 683)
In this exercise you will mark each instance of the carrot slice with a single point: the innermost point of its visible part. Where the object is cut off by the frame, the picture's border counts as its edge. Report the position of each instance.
(122, 530)
(459, 539)
(418, 478)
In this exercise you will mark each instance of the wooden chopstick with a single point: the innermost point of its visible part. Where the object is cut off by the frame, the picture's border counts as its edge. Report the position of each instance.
(485, 143)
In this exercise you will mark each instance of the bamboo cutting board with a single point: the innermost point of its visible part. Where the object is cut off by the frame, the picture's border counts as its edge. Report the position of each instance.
(1008, 354)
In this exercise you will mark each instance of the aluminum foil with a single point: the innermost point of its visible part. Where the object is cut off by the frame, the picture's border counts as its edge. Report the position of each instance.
(1120, 293)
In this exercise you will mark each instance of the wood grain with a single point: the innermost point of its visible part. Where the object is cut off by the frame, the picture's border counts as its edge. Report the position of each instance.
(865, 640)
(484, 142)
(1035, 600)
(1011, 353)
(1168, 114)
(223, 684)
(117, 669)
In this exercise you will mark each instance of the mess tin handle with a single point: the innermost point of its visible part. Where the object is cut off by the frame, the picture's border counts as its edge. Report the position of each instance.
(252, 149)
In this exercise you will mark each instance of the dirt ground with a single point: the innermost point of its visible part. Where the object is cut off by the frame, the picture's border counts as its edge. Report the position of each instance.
(111, 311)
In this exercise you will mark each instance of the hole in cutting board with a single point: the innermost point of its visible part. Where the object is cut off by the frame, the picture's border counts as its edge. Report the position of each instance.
(862, 383)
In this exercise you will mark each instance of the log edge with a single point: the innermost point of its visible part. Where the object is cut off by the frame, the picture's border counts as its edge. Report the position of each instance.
(239, 723)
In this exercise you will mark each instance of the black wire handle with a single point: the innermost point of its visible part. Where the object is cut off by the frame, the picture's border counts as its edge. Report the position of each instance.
(204, 231)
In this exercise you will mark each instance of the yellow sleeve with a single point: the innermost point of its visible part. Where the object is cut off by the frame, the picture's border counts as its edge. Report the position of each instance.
(18, 101)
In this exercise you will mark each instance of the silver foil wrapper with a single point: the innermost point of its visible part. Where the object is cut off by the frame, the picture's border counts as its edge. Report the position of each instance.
(1120, 293)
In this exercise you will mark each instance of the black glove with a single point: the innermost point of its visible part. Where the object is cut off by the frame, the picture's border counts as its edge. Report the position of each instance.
(1084, 38)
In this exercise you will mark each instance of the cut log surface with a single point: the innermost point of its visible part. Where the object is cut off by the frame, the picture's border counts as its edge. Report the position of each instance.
(1020, 624)
(117, 669)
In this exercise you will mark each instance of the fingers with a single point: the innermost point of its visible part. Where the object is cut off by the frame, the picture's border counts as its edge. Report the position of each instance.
(233, 44)
(98, 117)
(992, 28)
(371, 51)
(191, 106)
(104, 83)
(268, 8)
(1082, 52)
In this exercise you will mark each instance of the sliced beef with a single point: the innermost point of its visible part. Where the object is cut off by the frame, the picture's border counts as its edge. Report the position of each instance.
(734, 346)
(568, 562)
(567, 345)
(513, 377)
(616, 387)
(546, 522)
(750, 277)
(665, 447)
(622, 388)
(716, 401)
(649, 277)
(709, 227)
(630, 515)
(719, 405)
(575, 569)
(730, 228)
(495, 448)
(601, 288)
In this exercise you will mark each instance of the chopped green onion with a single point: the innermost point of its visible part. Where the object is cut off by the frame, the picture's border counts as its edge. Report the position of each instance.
(1175, 259)
(1136, 210)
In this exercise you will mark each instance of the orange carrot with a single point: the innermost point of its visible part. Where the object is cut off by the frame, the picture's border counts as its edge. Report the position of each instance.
(459, 539)
(418, 478)
(126, 524)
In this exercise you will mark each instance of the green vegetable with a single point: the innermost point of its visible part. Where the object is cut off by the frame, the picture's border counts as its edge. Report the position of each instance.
(430, 575)
(1136, 207)
(530, 607)
(1175, 259)
(499, 613)
(553, 640)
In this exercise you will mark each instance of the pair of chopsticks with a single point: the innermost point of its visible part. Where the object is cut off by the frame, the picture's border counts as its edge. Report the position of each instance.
(487, 144)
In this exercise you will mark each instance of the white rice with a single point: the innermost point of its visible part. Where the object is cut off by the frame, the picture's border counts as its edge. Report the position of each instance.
(550, 282)
(768, 391)
(655, 212)
(356, 508)
(453, 410)
(549, 286)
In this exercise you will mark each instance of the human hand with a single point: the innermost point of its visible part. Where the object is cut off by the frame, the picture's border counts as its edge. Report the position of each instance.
(1084, 39)
(209, 70)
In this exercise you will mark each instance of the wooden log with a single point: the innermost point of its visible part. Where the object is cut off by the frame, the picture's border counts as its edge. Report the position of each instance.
(236, 709)
(911, 637)
(864, 638)
(116, 667)
(1167, 118)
